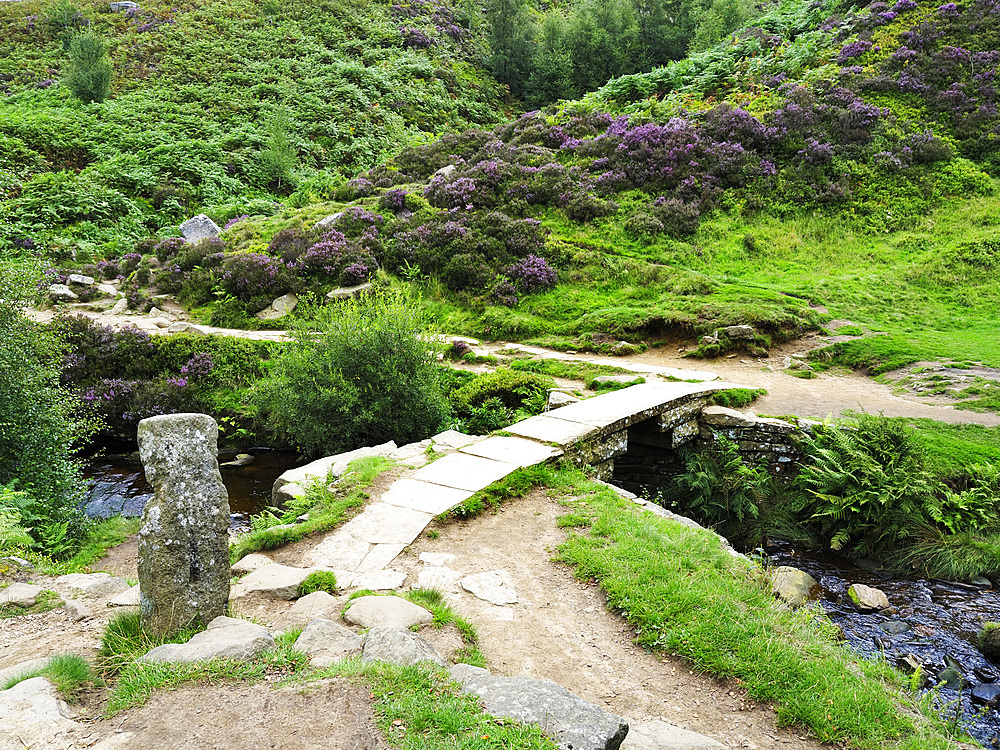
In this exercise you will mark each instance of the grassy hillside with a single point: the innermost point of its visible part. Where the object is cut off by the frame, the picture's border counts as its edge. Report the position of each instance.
(225, 106)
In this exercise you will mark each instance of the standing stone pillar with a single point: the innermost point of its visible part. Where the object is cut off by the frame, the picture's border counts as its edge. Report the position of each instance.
(183, 541)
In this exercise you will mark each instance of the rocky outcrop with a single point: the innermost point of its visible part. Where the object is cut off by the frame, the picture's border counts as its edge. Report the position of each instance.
(198, 228)
(183, 541)
(571, 721)
(386, 612)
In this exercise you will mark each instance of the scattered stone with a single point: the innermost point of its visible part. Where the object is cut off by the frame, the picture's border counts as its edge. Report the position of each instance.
(619, 379)
(120, 307)
(20, 594)
(328, 220)
(739, 333)
(989, 640)
(250, 563)
(183, 326)
(225, 638)
(347, 292)
(659, 735)
(32, 712)
(77, 610)
(272, 581)
(436, 558)
(894, 627)
(107, 290)
(571, 721)
(397, 646)
(184, 537)
(981, 582)
(128, 598)
(93, 584)
(793, 586)
(951, 678)
(123, 5)
(559, 398)
(199, 227)
(309, 607)
(80, 279)
(62, 293)
(325, 642)
(279, 308)
(495, 587)
(386, 612)
(987, 694)
(866, 598)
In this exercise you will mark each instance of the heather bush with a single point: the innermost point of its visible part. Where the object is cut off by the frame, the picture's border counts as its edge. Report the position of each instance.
(255, 277)
(370, 376)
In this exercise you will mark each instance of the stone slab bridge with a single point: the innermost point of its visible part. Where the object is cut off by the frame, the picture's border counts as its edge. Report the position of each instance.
(647, 420)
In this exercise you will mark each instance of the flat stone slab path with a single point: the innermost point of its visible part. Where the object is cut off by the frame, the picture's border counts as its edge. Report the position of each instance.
(361, 551)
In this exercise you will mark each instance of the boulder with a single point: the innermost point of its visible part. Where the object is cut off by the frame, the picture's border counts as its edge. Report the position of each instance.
(386, 612)
(397, 646)
(62, 293)
(184, 537)
(659, 735)
(495, 587)
(251, 563)
(199, 227)
(128, 598)
(107, 290)
(123, 5)
(327, 221)
(93, 584)
(444, 171)
(309, 607)
(80, 280)
(866, 598)
(120, 307)
(279, 308)
(989, 641)
(739, 333)
(272, 581)
(346, 292)
(225, 638)
(20, 594)
(32, 715)
(183, 326)
(559, 398)
(325, 642)
(793, 586)
(77, 610)
(572, 722)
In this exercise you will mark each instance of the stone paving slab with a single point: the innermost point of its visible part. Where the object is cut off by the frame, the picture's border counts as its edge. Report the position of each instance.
(379, 556)
(382, 523)
(549, 428)
(512, 450)
(340, 551)
(423, 496)
(464, 472)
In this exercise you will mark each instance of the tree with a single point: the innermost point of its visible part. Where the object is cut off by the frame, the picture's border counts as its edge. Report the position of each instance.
(360, 373)
(511, 31)
(89, 76)
(280, 156)
(551, 76)
(603, 37)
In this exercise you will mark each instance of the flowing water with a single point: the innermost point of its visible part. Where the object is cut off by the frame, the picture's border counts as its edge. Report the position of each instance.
(935, 622)
(118, 485)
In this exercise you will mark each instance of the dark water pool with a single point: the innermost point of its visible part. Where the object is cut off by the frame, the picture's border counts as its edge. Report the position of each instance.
(118, 485)
(936, 623)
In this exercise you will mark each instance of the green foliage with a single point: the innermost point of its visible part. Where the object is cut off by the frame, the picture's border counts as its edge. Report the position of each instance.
(737, 398)
(89, 74)
(444, 614)
(319, 580)
(69, 673)
(494, 400)
(360, 374)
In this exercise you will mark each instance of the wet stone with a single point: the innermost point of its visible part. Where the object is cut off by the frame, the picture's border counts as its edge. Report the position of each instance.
(894, 627)
(987, 694)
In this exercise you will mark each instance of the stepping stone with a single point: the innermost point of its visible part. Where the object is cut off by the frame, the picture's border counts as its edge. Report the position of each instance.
(380, 580)
(311, 606)
(438, 577)
(423, 496)
(495, 587)
(866, 598)
(382, 523)
(20, 594)
(386, 612)
(93, 584)
(512, 450)
(250, 563)
(325, 642)
(571, 721)
(272, 581)
(436, 558)
(340, 551)
(398, 646)
(379, 556)
(225, 638)
(128, 598)
(464, 472)
(659, 735)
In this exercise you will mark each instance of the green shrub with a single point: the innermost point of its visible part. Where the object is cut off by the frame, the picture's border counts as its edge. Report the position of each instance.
(359, 374)
(492, 401)
(89, 75)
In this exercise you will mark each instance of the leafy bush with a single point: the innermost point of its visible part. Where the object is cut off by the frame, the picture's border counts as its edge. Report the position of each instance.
(360, 374)
(89, 75)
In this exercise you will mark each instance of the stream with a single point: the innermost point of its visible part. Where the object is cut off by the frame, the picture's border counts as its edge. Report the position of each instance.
(118, 485)
(935, 624)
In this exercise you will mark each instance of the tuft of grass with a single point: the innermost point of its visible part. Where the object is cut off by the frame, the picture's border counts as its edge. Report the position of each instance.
(737, 398)
(319, 580)
(326, 508)
(123, 641)
(420, 707)
(69, 673)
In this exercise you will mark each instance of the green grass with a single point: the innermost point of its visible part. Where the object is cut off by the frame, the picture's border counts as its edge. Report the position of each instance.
(319, 580)
(69, 673)
(737, 398)
(47, 600)
(420, 708)
(515, 484)
(327, 509)
(123, 641)
(952, 448)
(443, 615)
(585, 372)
